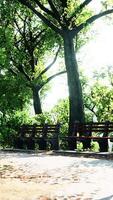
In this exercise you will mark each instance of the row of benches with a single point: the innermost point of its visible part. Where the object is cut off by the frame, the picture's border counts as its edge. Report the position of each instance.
(49, 135)
(42, 135)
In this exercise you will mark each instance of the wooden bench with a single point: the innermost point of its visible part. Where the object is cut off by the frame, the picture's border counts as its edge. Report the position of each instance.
(88, 132)
(29, 136)
(92, 131)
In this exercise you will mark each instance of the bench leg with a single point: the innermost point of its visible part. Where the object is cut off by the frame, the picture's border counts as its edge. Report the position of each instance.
(30, 144)
(54, 144)
(103, 145)
(19, 144)
(42, 144)
(86, 143)
(72, 143)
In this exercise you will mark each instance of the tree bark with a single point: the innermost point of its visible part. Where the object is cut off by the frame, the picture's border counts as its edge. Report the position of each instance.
(36, 100)
(76, 108)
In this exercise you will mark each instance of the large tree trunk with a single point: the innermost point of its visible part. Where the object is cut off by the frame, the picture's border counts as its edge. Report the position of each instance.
(36, 100)
(76, 109)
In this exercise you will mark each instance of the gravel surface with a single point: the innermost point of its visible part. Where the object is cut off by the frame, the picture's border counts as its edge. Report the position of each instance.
(43, 176)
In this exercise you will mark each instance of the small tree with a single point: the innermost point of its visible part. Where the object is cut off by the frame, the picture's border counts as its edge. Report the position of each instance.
(99, 98)
(28, 43)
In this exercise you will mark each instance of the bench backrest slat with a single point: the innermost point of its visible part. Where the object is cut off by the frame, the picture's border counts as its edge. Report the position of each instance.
(45, 130)
(94, 127)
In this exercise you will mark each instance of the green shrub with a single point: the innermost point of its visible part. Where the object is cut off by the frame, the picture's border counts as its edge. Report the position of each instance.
(95, 146)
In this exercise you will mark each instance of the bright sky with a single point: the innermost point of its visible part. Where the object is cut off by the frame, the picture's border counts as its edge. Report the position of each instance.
(99, 51)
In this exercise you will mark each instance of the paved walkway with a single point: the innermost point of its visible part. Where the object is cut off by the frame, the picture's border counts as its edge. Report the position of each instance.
(45, 176)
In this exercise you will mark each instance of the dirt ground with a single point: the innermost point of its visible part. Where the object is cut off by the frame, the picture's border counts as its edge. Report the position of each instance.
(42, 176)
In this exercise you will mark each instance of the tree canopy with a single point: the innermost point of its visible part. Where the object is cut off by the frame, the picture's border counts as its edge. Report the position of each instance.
(68, 19)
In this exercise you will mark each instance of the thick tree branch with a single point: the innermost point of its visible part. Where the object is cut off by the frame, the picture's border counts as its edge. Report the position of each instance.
(56, 13)
(91, 109)
(93, 18)
(50, 65)
(46, 10)
(52, 77)
(55, 75)
(42, 17)
(21, 69)
(79, 9)
(82, 5)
